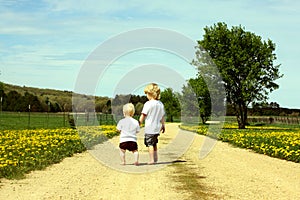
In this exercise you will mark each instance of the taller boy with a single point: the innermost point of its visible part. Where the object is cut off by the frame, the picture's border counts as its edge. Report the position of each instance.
(153, 113)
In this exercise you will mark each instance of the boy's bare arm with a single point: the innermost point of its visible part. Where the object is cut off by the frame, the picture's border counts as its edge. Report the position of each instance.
(142, 118)
(162, 121)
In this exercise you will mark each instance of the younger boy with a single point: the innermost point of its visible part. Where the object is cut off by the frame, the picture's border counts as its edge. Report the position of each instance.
(128, 127)
(153, 113)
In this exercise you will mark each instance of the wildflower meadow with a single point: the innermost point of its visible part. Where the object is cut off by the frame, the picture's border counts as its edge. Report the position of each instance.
(274, 141)
(22, 151)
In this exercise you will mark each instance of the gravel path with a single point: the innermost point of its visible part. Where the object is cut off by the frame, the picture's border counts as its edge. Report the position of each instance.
(226, 173)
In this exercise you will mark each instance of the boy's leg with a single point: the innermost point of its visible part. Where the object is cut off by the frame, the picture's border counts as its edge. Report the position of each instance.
(151, 154)
(151, 143)
(122, 155)
(136, 157)
(155, 155)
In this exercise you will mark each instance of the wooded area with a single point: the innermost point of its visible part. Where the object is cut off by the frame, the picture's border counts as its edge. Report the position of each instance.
(17, 99)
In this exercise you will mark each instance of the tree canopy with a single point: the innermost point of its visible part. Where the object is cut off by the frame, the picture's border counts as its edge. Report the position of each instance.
(203, 97)
(245, 62)
(171, 103)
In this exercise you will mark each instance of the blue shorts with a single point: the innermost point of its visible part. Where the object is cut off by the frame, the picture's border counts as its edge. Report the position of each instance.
(151, 140)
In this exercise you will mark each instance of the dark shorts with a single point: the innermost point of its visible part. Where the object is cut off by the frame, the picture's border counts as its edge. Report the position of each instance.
(151, 140)
(130, 146)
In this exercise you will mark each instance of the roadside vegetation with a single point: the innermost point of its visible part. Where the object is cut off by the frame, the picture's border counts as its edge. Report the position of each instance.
(22, 151)
(279, 141)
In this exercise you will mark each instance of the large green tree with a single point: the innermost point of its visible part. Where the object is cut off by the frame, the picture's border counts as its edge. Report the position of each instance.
(189, 104)
(171, 103)
(203, 97)
(199, 100)
(245, 62)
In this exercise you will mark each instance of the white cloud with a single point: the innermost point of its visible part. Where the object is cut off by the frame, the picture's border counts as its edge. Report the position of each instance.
(21, 24)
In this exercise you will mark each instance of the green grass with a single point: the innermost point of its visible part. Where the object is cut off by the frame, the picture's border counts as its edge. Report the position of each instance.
(21, 120)
(38, 120)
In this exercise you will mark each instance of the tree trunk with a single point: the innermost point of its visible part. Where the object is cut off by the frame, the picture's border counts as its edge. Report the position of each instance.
(241, 115)
(202, 119)
(170, 118)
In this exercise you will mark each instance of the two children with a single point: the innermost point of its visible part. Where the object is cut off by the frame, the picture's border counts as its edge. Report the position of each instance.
(153, 114)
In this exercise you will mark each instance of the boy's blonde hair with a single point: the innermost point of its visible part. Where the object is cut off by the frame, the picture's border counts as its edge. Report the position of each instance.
(153, 90)
(128, 109)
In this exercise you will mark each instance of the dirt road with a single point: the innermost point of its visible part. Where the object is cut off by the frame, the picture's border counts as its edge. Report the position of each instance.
(226, 173)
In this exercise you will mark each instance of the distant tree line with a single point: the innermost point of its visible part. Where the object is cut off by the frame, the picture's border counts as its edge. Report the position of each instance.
(61, 101)
(119, 100)
(266, 109)
(174, 104)
(16, 102)
(272, 109)
(13, 101)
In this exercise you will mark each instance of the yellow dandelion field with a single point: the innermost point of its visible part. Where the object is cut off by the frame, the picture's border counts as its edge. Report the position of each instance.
(22, 151)
(277, 142)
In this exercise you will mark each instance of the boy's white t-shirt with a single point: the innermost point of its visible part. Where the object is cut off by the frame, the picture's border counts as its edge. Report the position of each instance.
(129, 127)
(155, 111)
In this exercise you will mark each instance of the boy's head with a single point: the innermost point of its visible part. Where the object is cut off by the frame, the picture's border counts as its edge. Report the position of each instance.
(128, 110)
(152, 90)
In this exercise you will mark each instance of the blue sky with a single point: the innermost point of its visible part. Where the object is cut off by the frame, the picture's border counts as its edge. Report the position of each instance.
(45, 43)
